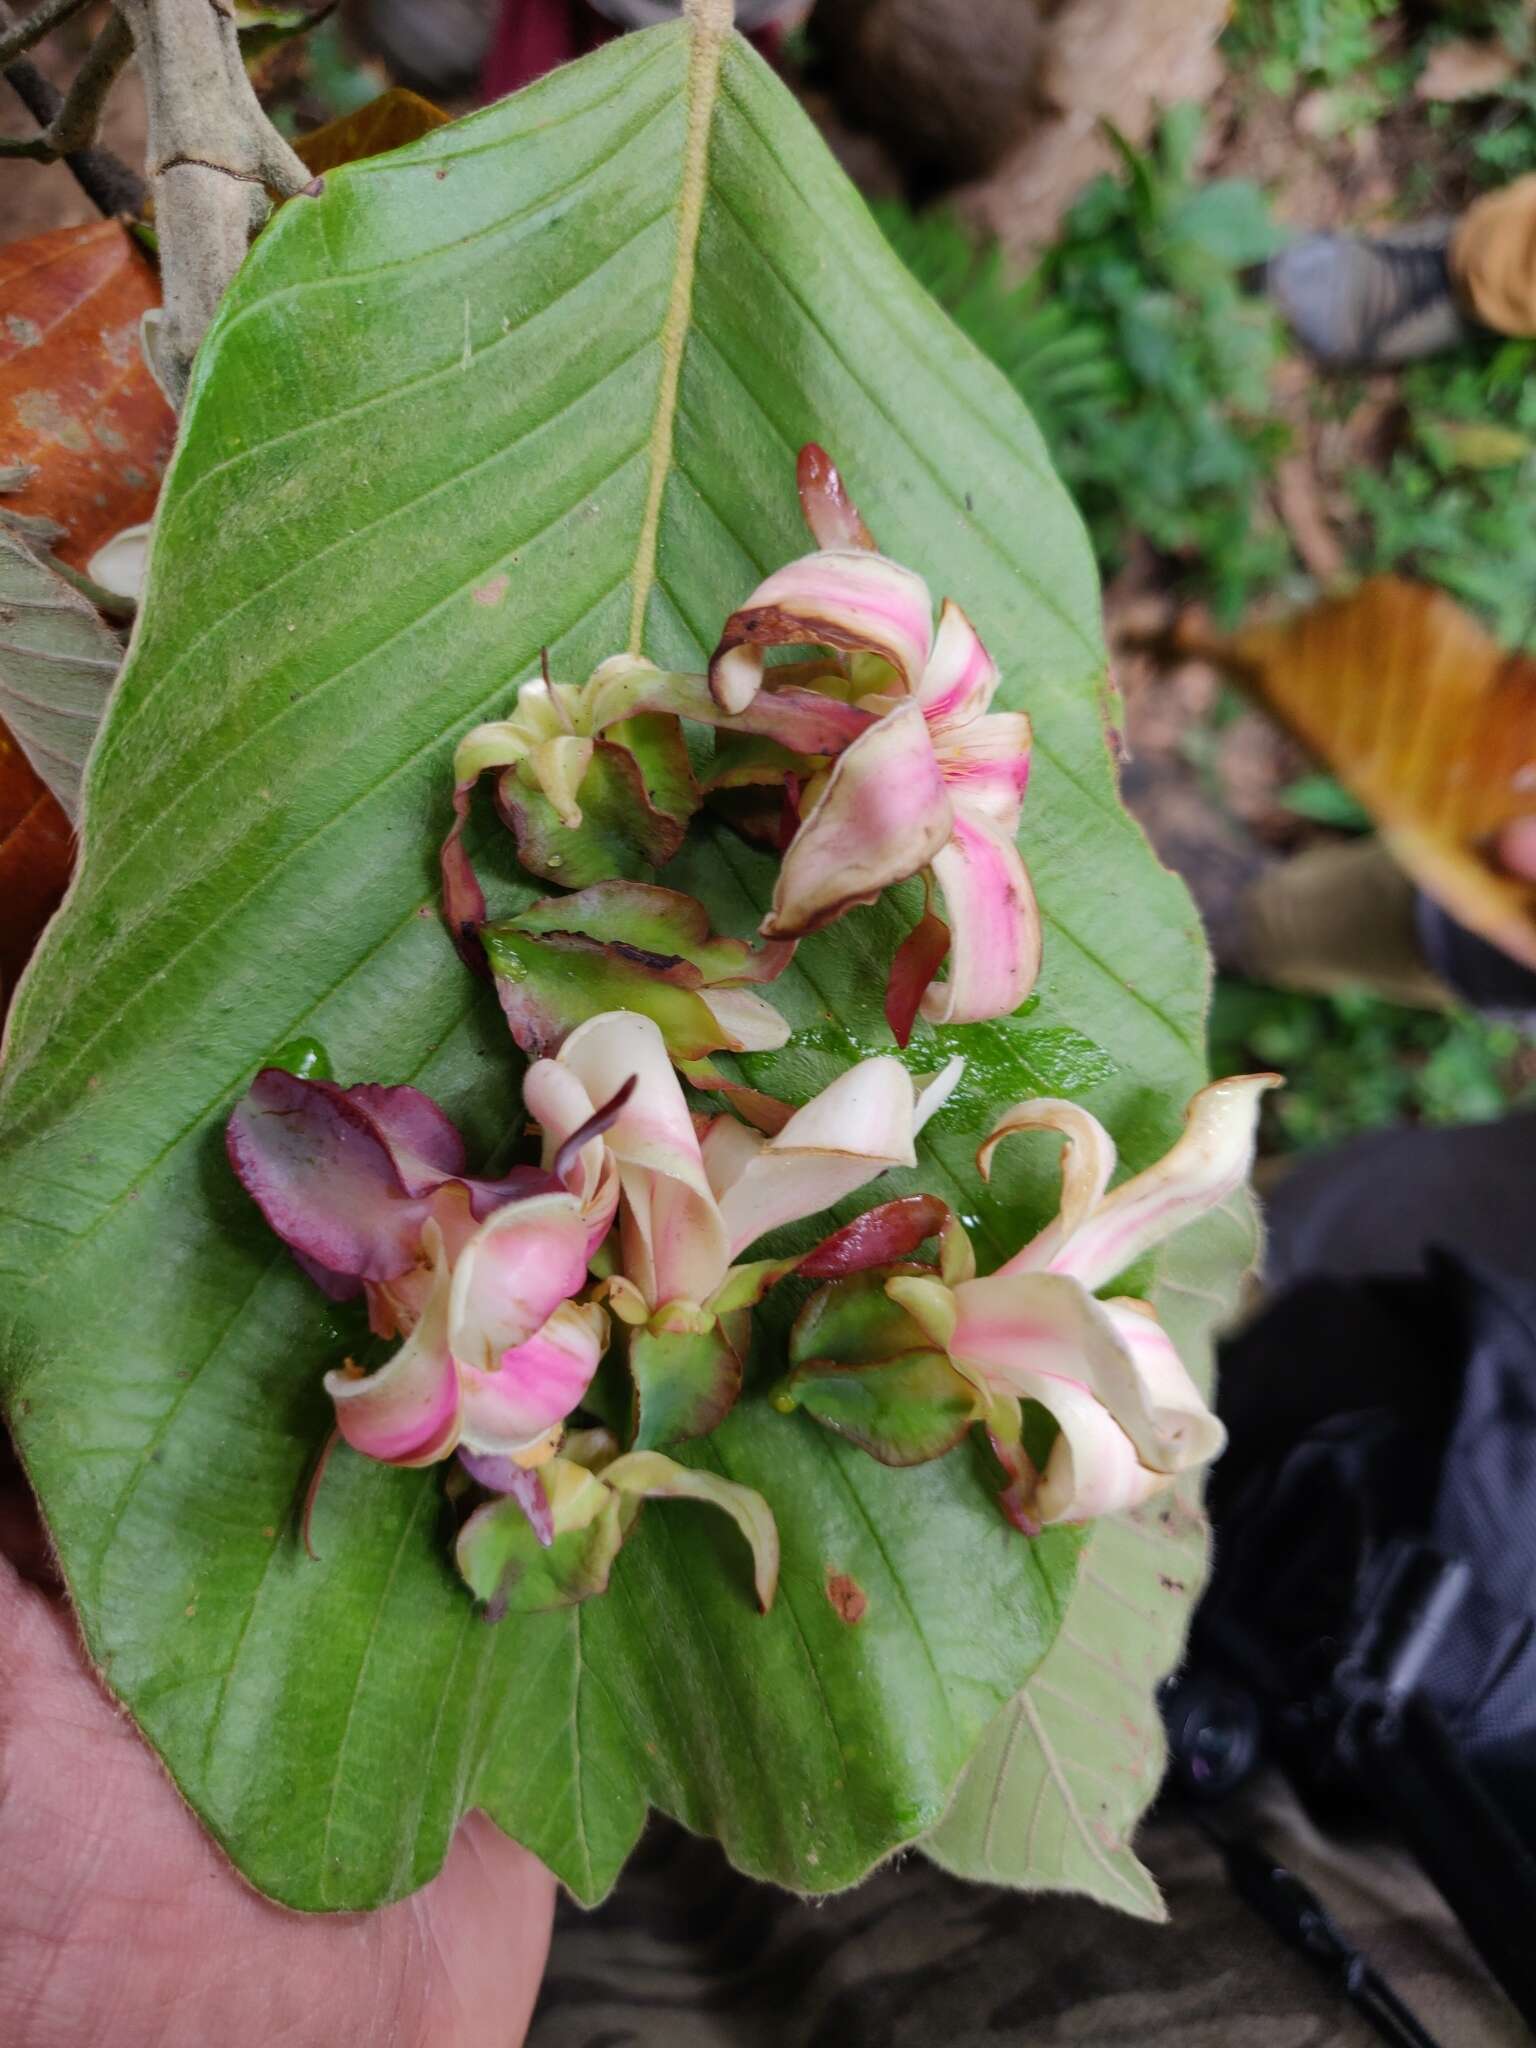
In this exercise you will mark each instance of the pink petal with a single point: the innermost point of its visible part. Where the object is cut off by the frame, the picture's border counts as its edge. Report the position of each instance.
(805, 721)
(846, 598)
(986, 766)
(1092, 1468)
(960, 677)
(882, 816)
(994, 925)
(535, 1384)
(853, 1130)
(406, 1413)
(829, 512)
(1208, 1164)
(561, 1107)
(521, 1264)
(674, 1242)
(1087, 1166)
(1029, 1333)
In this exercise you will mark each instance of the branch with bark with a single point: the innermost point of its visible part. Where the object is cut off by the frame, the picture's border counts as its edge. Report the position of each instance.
(213, 159)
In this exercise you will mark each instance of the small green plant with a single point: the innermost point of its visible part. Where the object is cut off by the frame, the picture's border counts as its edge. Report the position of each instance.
(1453, 504)
(1355, 1063)
(1299, 43)
(1144, 359)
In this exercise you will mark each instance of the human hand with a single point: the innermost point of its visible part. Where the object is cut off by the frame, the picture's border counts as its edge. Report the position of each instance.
(121, 1922)
(1516, 848)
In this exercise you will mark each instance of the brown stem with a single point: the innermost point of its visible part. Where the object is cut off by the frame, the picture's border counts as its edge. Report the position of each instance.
(73, 128)
(212, 157)
(18, 37)
(104, 178)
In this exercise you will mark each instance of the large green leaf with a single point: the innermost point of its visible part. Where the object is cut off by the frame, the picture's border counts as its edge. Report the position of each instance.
(1055, 1790)
(536, 381)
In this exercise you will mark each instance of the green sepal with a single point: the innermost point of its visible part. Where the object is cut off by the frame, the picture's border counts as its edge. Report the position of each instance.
(505, 1565)
(855, 1322)
(549, 983)
(902, 1410)
(685, 1384)
(621, 835)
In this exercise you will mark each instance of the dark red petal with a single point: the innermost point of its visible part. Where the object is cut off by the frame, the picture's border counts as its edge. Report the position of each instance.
(916, 961)
(463, 897)
(501, 1475)
(829, 512)
(599, 1121)
(322, 1174)
(893, 1230)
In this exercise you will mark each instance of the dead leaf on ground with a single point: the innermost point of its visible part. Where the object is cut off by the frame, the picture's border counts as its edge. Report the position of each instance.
(395, 118)
(58, 663)
(1426, 719)
(77, 405)
(36, 850)
(1470, 68)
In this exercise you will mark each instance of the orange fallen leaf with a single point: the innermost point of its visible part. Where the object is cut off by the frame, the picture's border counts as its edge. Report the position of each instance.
(1426, 719)
(395, 118)
(77, 405)
(36, 851)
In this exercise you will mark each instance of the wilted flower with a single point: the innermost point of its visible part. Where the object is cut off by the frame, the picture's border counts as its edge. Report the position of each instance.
(367, 1186)
(933, 782)
(691, 1203)
(1130, 1416)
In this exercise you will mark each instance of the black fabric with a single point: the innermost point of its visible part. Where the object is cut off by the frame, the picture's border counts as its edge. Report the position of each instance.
(1478, 971)
(1368, 1414)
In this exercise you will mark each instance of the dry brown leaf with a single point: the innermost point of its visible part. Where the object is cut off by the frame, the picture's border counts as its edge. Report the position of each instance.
(1427, 719)
(36, 850)
(77, 405)
(395, 118)
(1467, 69)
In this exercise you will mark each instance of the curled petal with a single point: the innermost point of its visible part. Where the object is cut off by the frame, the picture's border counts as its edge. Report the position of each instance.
(406, 1413)
(853, 1130)
(829, 512)
(343, 1175)
(650, 1475)
(1210, 1161)
(562, 1108)
(994, 925)
(534, 1385)
(935, 1091)
(1024, 1332)
(986, 767)
(674, 1240)
(883, 814)
(960, 677)
(558, 766)
(847, 598)
(1087, 1166)
(1092, 1468)
(748, 1022)
(513, 1274)
(806, 721)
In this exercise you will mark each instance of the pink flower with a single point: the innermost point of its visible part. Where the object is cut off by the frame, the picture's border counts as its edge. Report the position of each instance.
(1130, 1416)
(367, 1186)
(933, 784)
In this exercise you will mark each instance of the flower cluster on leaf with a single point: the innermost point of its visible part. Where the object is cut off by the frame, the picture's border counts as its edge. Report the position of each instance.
(561, 1325)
